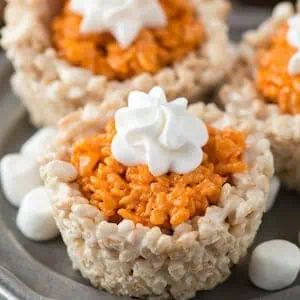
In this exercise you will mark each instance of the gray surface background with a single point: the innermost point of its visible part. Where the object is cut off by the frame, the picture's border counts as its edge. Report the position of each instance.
(42, 270)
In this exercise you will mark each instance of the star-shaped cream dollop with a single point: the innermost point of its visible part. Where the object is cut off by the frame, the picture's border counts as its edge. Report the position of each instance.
(123, 18)
(293, 38)
(160, 134)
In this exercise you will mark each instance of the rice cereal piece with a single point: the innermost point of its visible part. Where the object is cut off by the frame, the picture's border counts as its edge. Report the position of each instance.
(241, 98)
(134, 260)
(50, 87)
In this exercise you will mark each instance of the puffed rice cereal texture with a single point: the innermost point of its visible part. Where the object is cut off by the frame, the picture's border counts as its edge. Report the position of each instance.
(134, 260)
(50, 87)
(241, 98)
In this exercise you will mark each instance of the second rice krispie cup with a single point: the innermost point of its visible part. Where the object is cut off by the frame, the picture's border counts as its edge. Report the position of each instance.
(58, 69)
(264, 86)
(162, 237)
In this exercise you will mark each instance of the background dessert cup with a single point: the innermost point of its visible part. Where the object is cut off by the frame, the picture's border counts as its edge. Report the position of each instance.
(241, 97)
(135, 260)
(50, 87)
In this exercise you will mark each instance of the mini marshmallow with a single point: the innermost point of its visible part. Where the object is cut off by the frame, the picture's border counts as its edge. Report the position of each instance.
(274, 189)
(35, 218)
(38, 143)
(19, 175)
(274, 265)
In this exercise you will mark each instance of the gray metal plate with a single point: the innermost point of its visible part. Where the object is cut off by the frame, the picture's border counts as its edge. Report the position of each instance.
(30, 270)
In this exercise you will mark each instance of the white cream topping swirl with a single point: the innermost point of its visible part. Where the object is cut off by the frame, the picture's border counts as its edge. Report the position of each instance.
(124, 19)
(293, 35)
(161, 135)
(293, 38)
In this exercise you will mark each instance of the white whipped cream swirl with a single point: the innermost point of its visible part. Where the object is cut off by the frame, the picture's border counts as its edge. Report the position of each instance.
(293, 35)
(162, 135)
(124, 19)
(293, 38)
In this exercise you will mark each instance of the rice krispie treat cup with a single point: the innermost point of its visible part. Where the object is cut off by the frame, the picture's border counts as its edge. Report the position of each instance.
(58, 68)
(263, 86)
(165, 236)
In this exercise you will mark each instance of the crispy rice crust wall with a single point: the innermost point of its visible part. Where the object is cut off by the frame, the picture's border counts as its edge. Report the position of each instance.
(129, 259)
(241, 98)
(50, 88)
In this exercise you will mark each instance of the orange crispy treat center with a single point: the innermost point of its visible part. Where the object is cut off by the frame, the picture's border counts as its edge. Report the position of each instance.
(273, 80)
(133, 193)
(152, 50)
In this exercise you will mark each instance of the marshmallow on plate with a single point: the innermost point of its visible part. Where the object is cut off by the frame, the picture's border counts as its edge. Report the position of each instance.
(274, 189)
(37, 144)
(35, 218)
(274, 265)
(19, 175)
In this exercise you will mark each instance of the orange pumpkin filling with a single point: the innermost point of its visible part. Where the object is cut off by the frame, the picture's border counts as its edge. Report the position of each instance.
(152, 50)
(133, 193)
(273, 80)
